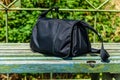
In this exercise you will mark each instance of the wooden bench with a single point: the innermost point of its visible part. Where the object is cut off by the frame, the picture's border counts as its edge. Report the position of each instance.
(18, 58)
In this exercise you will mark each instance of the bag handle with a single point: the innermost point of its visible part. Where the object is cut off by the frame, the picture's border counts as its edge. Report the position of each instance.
(103, 53)
(51, 9)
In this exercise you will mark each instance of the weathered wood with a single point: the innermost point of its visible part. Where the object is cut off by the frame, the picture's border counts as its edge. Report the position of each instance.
(18, 58)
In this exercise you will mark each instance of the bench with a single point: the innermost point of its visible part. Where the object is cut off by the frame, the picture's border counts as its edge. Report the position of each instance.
(18, 58)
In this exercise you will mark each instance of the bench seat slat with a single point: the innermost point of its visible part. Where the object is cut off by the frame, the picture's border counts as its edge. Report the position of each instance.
(56, 58)
(57, 67)
(18, 58)
(26, 45)
(39, 54)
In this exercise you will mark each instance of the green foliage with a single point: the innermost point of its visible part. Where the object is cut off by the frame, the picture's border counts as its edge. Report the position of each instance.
(20, 23)
(2, 29)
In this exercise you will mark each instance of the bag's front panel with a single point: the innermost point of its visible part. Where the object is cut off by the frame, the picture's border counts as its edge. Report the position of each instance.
(45, 36)
(85, 44)
(80, 41)
(63, 39)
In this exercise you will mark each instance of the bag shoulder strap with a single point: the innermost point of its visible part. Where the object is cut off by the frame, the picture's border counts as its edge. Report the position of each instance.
(103, 53)
(43, 14)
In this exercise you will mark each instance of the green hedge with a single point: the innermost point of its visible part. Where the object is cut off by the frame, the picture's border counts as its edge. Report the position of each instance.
(20, 23)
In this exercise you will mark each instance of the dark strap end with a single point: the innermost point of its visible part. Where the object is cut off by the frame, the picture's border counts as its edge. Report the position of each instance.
(104, 55)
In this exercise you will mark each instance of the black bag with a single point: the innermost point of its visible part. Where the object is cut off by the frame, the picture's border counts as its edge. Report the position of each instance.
(63, 38)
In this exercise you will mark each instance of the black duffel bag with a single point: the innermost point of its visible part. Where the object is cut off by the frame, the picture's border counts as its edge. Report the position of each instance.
(63, 38)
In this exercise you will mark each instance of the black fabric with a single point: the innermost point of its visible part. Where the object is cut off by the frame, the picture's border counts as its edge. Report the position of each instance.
(63, 38)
